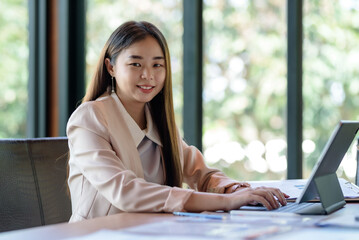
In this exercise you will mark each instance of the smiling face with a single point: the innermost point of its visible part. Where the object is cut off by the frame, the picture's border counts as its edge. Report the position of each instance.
(139, 71)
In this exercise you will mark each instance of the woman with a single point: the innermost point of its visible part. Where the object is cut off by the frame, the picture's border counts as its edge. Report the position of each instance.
(125, 151)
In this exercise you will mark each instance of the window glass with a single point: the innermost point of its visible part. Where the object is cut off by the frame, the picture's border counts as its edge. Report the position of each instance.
(330, 76)
(245, 88)
(104, 16)
(14, 55)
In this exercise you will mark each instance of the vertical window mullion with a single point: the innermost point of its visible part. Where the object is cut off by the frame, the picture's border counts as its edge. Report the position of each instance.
(192, 71)
(71, 58)
(294, 88)
(36, 123)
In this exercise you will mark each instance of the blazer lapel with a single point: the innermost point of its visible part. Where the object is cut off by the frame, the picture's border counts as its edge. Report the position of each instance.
(124, 137)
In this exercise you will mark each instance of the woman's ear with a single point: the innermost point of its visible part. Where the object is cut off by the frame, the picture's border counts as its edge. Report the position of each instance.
(109, 66)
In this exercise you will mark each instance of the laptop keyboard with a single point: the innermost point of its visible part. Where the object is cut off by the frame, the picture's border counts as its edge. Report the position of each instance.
(293, 207)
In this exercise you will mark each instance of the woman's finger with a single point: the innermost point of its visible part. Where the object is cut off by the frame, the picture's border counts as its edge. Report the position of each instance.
(244, 184)
(268, 194)
(280, 196)
(260, 199)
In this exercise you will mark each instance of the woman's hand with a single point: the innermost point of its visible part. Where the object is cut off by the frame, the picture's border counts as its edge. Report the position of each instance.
(236, 187)
(271, 198)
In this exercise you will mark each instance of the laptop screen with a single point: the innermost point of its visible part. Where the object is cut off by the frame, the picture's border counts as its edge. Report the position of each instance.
(331, 157)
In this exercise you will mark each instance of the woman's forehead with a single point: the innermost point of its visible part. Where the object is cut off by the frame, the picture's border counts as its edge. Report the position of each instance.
(148, 46)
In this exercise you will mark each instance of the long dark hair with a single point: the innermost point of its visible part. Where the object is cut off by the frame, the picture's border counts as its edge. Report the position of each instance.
(161, 106)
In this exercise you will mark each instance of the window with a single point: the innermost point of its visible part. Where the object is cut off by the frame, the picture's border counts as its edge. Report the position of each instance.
(245, 88)
(330, 76)
(14, 54)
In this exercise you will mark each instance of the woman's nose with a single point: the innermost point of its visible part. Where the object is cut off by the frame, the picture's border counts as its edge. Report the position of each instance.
(147, 74)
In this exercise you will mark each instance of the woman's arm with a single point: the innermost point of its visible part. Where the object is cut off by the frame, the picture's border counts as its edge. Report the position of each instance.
(212, 184)
(199, 201)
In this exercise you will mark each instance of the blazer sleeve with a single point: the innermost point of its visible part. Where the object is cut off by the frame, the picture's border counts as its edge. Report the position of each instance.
(199, 176)
(91, 152)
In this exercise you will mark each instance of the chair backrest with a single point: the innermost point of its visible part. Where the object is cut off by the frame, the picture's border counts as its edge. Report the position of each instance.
(33, 188)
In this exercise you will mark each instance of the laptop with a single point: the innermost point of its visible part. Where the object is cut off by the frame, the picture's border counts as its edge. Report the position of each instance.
(323, 183)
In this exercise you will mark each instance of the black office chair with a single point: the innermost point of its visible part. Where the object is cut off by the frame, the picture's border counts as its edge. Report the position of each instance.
(33, 189)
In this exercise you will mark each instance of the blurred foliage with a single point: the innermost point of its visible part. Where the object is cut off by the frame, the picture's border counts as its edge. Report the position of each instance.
(330, 70)
(14, 54)
(252, 34)
(244, 68)
(245, 76)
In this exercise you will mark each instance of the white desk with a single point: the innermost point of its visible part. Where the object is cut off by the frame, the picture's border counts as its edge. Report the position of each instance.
(119, 221)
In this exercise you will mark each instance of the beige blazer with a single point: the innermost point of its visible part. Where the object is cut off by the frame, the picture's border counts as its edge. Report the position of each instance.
(106, 175)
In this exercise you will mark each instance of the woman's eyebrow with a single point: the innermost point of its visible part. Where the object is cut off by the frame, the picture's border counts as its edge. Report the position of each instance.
(135, 57)
(140, 57)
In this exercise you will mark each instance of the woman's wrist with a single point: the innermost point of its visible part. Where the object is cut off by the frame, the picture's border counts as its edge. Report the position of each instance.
(227, 200)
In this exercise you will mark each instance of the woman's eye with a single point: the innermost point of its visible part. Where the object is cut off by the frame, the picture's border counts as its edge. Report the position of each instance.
(157, 65)
(136, 64)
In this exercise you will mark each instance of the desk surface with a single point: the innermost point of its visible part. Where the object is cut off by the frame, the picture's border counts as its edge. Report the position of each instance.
(118, 221)
(65, 230)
